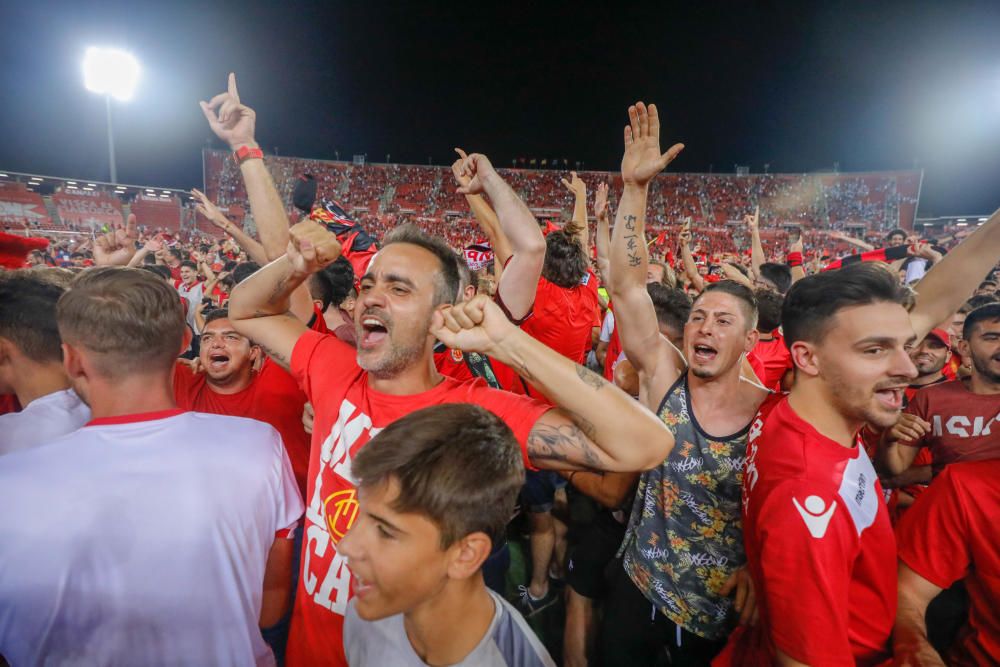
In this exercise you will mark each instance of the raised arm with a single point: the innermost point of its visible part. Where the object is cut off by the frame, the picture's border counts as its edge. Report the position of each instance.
(579, 229)
(235, 123)
(259, 307)
(253, 249)
(687, 259)
(519, 279)
(650, 353)
(595, 426)
(797, 268)
(850, 240)
(152, 245)
(952, 280)
(484, 214)
(602, 238)
(756, 247)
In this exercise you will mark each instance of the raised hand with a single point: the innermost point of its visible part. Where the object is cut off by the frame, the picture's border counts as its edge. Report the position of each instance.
(155, 244)
(231, 121)
(601, 202)
(642, 160)
(471, 326)
(311, 246)
(117, 247)
(575, 184)
(209, 210)
(477, 169)
(909, 428)
(752, 221)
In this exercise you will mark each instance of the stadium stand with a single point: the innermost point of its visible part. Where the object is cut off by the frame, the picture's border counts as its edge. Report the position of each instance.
(21, 208)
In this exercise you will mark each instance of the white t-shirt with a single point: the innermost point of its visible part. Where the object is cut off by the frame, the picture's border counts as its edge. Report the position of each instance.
(508, 642)
(194, 295)
(43, 420)
(143, 540)
(607, 327)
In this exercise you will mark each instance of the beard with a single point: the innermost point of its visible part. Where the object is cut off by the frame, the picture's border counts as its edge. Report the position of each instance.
(399, 356)
(861, 405)
(982, 366)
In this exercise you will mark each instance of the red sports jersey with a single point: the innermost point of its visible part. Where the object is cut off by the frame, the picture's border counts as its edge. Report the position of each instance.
(348, 414)
(775, 359)
(272, 397)
(318, 323)
(614, 350)
(564, 318)
(819, 546)
(953, 533)
(964, 426)
(452, 363)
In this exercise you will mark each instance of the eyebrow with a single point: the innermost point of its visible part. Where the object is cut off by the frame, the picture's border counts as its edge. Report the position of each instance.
(223, 332)
(382, 520)
(883, 340)
(391, 278)
(717, 313)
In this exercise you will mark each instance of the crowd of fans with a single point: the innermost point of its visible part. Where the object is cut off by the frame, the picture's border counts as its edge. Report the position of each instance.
(723, 439)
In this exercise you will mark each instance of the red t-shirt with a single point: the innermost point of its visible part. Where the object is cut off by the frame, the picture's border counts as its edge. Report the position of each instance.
(8, 403)
(272, 397)
(451, 363)
(775, 359)
(348, 414)
(964, 426)
(564, 318)
(614, 350)
(952, 533)
(318, 323)
(819, 546)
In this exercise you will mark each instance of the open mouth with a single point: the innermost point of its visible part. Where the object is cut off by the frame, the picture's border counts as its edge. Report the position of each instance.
(361, 587)
(703, 354)
(218, 360)
(374, 331)
(891, 398)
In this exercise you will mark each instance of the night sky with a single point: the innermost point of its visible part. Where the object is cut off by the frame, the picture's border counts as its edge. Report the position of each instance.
(797, 85)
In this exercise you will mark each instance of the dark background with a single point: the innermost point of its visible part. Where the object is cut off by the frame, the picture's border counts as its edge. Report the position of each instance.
(796, 85)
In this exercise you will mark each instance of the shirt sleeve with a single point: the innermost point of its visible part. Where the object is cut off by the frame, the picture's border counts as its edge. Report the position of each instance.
(807, 543)
(933, 535)
(289, 500)
(319, 359)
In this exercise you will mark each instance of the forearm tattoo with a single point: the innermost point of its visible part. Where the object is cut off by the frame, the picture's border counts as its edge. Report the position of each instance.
(565, 442)
(590, 377)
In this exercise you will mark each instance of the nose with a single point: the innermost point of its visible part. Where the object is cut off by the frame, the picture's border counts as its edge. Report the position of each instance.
(903, 366)
(349, 544)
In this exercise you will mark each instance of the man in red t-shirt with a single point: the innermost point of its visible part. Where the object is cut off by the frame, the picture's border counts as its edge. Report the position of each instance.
(224, 382)
(773, 365)
(405, 304)
(957, 420)
(817, 533)
(952, 533)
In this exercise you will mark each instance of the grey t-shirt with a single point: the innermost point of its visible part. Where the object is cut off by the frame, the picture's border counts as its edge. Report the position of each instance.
(508, 641)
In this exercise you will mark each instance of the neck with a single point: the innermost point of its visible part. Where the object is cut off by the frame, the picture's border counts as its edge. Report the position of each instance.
(978, 384)
(769, 336)
(447, 627)
(810, 401)
(131, 395)
(234, 384)
(718, 389)
(924, 380)
(416, 378)
(37, 380)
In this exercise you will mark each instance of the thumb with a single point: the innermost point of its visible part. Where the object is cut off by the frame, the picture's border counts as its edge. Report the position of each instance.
(671, 154)
(727, 588)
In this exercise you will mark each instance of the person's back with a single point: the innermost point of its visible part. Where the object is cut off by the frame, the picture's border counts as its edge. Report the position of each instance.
(142, 539)
(145, 537)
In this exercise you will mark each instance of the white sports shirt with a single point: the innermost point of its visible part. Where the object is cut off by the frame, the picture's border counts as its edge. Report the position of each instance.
(43, 420)
(143, 540)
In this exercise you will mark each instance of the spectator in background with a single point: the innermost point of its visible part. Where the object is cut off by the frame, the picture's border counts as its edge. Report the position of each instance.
(31, 365)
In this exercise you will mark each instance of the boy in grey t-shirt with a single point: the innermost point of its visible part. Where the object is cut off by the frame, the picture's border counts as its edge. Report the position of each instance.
(436, 489)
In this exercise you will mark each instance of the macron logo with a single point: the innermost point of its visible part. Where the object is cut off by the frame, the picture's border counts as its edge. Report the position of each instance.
(815, 514)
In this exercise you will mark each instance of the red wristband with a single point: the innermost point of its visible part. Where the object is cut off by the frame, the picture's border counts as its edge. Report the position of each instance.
(794, 259)
(244, 153)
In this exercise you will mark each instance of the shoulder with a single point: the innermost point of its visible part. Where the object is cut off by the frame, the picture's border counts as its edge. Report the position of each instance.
(514, 640)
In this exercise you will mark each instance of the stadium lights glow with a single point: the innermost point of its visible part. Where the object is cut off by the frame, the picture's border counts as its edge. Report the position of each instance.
(110, 72)
(980, 219)
(962, 224)
(961, 219)
(71, 182)
(72, 187)
(93, 185)
(35, 178)
(3, 175)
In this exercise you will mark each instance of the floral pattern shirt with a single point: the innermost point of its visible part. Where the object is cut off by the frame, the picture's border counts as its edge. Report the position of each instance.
(685, 533)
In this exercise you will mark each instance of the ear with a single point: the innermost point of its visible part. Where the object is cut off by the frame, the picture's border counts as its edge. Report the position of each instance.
(255, 354)
(469, 292)
(752, 337)
(319, 305)
(185, 340)
(964, 350)
(467, 556)
(348, 304)
(72, 362)
(804, 357)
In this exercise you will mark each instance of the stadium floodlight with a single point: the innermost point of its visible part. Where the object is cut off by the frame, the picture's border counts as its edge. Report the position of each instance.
(112, 73)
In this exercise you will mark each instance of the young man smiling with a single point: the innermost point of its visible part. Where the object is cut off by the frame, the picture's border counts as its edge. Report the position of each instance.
(436, 490)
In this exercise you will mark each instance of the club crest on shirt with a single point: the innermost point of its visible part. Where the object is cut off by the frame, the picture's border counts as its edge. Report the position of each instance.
(340, 508)
(456, 356)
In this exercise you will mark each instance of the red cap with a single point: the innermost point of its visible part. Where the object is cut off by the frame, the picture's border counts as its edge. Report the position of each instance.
(14, 250)
(942, 336)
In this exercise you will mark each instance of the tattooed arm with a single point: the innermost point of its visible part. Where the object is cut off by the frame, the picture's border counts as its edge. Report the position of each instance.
(260, 306)
(595, 424)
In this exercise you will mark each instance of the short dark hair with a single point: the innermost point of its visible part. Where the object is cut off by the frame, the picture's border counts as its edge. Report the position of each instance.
(981, 300)
(159, 270)
(176, 253)
(988, 313)
(447, 281)
(565, 261)
(28, 315)
(131, 320)
(672, 306)
(769, 305)
(244, 270)
(778, 274)
(188, 264)
(741, 292)
(896, 232)
(814, 300)
(458, 464)
(340, 276)
(216, 314)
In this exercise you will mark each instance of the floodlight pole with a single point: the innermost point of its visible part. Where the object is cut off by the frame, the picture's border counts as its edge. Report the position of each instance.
(111, 142)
